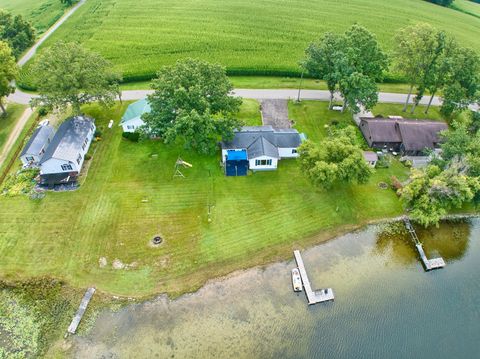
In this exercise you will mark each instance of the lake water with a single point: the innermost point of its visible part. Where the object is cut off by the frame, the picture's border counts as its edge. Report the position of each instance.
(386, 306)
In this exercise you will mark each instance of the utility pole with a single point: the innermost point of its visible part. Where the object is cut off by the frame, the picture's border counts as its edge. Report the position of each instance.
(300, 86)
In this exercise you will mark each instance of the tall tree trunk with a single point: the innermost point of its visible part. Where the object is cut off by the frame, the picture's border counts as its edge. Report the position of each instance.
(4, 111)
(331, 100)
(408, 98)
(414, 107)
(430, 102)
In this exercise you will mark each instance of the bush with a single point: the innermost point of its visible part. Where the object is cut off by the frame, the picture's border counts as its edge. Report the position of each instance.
(132, 136)
(88, 157)
(98, 133)
(42, 111)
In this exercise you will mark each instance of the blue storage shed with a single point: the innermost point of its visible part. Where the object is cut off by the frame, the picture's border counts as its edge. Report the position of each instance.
(236, 163)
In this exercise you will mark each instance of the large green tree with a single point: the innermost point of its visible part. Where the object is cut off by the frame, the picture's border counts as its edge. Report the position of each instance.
(351, 62)
(323, 59)
(192, 101)
(335, 160)
(16, 31)
(69, 75)
(431, 193)
(415, 56)
(462, 86)
(8, 72)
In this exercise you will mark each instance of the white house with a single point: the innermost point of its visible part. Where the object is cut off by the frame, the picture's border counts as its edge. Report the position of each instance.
(132, 118)
(37, 145)
(259, 148)
(371, 158)
(64, 157)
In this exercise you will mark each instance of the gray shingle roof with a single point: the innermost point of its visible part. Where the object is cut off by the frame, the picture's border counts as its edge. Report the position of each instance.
(263, 140)
(67, 142)
(38, 140)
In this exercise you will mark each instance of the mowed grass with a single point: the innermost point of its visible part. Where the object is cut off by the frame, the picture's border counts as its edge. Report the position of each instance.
(130, 195)
(271, 82)
(468, 7)
(7, 122)
(249, 37)
(42, 13)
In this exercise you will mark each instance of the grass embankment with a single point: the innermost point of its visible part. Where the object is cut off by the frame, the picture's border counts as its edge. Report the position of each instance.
(130, 195)
(249, 37)
(271, 82)
(42, 13)
(467, 7)
(20, 140)
(7, 122)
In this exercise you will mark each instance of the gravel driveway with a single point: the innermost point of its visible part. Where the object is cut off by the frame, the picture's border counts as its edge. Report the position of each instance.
(275, 113)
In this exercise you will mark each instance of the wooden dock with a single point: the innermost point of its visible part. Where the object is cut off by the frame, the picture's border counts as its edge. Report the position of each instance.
(429, 264)
(72, 328)
(313, 297)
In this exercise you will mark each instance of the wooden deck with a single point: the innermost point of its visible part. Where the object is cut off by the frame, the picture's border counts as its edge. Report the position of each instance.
(72, 328)
(428, 264)
(313, 297)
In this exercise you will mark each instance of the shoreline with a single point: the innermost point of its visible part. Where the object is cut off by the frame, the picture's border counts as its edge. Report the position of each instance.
(303, 244)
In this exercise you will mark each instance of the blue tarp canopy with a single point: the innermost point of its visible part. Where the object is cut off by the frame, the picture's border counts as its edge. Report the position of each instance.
(236, 155)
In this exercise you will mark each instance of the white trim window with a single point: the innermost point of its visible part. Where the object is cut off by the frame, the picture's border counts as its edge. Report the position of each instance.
(29, 158)
(79, 158)
(294, 150)
(263, 162)
(67, 167)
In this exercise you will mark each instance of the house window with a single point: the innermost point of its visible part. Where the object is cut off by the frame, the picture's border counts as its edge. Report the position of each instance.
(294, 150)
(79, 158)
(263, 162)
(130, 127)
(83, 147)
(29, 158)
(42, 151)
(67, 167)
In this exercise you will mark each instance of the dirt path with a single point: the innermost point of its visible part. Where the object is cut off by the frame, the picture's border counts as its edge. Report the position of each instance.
(21, 122)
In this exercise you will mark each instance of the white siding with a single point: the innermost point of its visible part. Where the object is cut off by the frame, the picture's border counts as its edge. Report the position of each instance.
(54, 165)
(255, 167)
(132, 125)
(287, 152)
(25, 162)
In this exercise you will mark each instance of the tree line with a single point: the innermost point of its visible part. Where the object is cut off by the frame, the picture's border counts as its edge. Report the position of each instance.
(428, 59)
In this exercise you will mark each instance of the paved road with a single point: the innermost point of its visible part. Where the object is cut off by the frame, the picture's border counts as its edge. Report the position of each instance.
(12, 138)
(263, 94)
(24, 59)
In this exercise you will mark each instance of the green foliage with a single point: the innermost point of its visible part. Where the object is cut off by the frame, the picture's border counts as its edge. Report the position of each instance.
(431, 193)
(42, 14)
(256, 38)
(132, 136)
(462, 85)
(33, 314)
(17, 32)
(336, 160)
(21, 182)
(192, 102)
(351, 63)
(8, 72)
(70, 75)
(441, 2)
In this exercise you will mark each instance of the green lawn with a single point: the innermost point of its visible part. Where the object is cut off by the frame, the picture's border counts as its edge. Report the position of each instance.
(42, 13)
(249, 37)
(468, 7)
(14, 111)
(130, 195)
